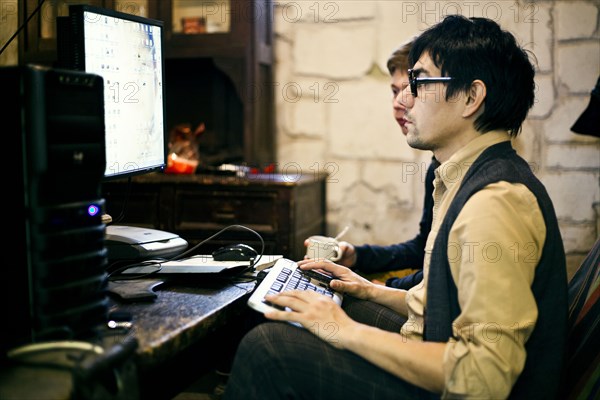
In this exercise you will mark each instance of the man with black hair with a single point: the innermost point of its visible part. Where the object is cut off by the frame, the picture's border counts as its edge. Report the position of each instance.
(488, 321)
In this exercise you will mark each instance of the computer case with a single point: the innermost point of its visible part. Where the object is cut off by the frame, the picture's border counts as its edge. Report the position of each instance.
(54, 279)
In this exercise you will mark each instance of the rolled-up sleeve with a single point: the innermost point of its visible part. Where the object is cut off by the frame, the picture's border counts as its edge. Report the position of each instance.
(493, 249)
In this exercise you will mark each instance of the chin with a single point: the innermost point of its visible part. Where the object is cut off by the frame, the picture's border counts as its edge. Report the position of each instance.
(413, 141)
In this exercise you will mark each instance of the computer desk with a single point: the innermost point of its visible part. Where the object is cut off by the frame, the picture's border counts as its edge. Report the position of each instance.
(191, 327)
(182, 314)
(180, 334)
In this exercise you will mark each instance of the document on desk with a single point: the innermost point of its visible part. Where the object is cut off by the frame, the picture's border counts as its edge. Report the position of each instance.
(199, 264)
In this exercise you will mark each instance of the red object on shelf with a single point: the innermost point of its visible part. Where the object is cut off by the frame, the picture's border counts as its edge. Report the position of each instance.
(180, 165)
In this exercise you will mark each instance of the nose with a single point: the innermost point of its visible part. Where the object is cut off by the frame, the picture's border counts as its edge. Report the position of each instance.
(397, 101)
(404, 98)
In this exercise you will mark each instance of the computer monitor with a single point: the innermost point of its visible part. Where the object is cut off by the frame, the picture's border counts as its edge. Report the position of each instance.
(127, 51)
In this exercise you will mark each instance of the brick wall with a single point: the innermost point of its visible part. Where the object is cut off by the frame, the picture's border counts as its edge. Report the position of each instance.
(333, 109)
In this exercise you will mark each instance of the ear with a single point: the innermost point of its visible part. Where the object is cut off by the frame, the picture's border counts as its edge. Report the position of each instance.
(475, 98)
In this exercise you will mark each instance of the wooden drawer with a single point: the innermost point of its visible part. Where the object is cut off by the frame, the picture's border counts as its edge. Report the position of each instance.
(283, 211)
(198, 209)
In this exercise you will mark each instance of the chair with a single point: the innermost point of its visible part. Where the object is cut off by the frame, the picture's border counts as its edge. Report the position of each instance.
(582, 361)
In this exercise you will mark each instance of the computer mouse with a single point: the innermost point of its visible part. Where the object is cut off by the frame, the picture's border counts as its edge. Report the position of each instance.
(235, 252)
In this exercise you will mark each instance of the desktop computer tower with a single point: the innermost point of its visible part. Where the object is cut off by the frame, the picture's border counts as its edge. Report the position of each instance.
(54, 271)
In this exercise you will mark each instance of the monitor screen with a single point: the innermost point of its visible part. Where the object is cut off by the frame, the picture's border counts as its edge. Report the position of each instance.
(126, 50)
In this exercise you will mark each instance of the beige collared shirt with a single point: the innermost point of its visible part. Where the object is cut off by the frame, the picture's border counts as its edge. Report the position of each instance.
(493, 250)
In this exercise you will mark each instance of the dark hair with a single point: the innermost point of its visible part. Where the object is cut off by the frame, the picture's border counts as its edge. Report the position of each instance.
(477, 48)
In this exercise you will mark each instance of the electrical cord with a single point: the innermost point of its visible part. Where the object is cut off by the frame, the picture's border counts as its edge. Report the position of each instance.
(23, 25)
(121, 215)
(193, 249)
(54, 346)
(88, 363)
(116, 273)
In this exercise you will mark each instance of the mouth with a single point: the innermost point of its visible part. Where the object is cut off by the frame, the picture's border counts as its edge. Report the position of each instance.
(402, 122)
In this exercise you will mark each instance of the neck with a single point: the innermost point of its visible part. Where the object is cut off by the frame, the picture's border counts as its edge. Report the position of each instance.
(444, 152)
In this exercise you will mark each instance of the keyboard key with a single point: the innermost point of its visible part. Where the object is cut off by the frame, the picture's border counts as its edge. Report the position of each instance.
(286, 276)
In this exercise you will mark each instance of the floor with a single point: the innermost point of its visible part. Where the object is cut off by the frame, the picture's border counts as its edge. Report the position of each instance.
(208, 387)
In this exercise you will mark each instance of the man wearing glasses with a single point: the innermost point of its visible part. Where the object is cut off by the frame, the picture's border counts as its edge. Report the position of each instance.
(488, 320)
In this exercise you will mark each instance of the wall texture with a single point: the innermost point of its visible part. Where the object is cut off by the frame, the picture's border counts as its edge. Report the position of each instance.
(333, 105)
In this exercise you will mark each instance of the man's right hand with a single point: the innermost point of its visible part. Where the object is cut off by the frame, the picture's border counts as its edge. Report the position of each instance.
(344, 280)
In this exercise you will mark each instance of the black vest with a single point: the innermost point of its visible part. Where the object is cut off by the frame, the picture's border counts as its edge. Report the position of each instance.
(541, 374)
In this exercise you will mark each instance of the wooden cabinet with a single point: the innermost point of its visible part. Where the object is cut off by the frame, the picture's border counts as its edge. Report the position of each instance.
(220, 75)
(283, 209)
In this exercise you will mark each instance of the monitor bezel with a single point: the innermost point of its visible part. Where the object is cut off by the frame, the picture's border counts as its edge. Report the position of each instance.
(76, 60)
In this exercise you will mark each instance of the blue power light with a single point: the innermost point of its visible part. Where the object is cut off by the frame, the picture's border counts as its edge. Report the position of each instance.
(93, 210)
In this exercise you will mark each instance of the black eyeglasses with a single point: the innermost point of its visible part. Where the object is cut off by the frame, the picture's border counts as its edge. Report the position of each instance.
(415, 82)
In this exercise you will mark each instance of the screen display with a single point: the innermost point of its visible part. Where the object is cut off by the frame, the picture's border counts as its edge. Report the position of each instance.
(126, 51)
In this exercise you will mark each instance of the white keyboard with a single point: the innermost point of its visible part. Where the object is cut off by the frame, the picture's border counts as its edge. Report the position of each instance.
(285, 275)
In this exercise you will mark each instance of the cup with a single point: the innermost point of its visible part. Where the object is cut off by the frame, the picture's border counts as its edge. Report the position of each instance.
(323, 247)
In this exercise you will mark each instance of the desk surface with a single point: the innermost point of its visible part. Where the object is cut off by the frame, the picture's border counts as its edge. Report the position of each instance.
(182, 314)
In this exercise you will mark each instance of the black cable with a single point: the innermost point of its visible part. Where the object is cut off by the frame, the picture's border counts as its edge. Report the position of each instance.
(23, 25)
(147, 263)
(217, 234)
(121, 215)
(116, 274)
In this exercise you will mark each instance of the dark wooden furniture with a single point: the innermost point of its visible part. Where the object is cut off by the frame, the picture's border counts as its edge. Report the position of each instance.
(223, 79)
(283, 209)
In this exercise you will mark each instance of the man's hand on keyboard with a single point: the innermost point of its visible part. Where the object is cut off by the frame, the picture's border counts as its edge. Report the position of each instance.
(315, 312)
(344, 280)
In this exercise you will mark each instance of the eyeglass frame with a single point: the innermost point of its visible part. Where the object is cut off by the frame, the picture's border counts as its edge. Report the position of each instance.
(415, 82)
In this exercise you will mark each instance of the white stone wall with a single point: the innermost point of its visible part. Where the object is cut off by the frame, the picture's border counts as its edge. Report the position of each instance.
(333, 108)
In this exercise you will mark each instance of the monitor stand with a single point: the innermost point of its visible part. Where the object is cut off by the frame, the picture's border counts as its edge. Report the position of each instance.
(135, 243)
